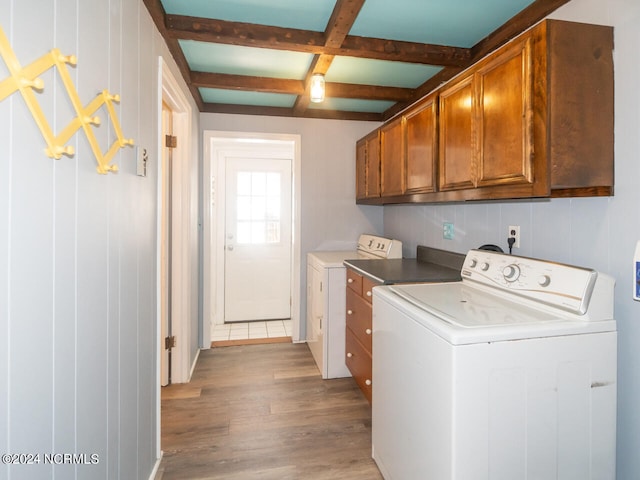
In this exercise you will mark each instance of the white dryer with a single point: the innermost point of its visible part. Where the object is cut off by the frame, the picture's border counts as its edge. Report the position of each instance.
(326, 284)
(508, 374)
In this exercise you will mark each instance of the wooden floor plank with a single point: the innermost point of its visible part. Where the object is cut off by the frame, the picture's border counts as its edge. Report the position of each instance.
(264, 412)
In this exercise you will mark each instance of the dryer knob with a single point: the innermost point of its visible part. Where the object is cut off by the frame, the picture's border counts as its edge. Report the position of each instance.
(544, 280)
(473, 263)
(484, 267)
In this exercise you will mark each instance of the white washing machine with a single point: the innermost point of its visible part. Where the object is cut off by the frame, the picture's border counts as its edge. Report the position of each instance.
(326, 303)
(509, 374)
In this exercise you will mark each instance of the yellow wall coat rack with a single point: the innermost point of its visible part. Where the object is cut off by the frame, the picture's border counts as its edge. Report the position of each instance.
(26, 79)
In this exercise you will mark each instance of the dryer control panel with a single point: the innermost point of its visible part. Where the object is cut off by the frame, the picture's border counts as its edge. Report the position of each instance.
(559, 285)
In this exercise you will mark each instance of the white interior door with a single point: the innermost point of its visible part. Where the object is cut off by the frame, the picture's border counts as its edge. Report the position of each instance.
(257, 239)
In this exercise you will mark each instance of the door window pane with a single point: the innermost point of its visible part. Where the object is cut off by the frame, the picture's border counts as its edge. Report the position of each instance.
(258, 207)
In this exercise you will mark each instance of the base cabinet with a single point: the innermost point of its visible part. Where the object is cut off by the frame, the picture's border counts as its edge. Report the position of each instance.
(358, 339)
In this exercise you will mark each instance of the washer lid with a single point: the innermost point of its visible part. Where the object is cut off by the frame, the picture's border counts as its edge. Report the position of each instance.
(330, 258)
(464, 314)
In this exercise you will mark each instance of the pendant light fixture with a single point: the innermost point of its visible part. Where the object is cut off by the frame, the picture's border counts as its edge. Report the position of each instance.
(317, 87)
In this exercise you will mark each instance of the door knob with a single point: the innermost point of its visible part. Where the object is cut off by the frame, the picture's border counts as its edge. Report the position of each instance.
(230, 247)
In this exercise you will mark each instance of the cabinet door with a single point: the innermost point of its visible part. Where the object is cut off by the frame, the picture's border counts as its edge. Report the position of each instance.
(372, 174)
(392, 159)
(361, 169)
(456, 159)
(359, 318)
(421, 147)
(504, 131)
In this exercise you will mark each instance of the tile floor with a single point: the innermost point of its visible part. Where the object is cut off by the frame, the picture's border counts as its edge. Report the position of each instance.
(250, 330)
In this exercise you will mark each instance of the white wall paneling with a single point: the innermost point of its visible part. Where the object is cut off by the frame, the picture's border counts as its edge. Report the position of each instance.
(78, 328)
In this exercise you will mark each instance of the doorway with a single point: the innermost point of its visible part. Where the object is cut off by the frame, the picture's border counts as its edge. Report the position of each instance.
(251, 228)
(257, 259)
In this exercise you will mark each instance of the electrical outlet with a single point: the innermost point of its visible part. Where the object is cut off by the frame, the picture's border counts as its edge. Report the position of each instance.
(514, 231)
(447, 231)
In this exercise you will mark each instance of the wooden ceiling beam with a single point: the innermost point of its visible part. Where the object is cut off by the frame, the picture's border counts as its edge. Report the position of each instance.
(342, 19)
(515, 26)
(296, 87)
(520, 22)
(289, 112)
(247, 83)
(260, 36)
(344, 14)
(158, 14)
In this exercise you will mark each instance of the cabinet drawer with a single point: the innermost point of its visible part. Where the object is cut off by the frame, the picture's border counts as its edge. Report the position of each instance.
(367, 289)
(354, 281)
(358, 362)
(359, 314)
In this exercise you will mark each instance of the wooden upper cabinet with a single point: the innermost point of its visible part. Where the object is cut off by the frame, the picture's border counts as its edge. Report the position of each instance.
(577, 110)
(373, 164)
(456, 156)
(392, 158)
(368, 166)
(361, 169)
(422, 146)
(533, 119)
(503, 125)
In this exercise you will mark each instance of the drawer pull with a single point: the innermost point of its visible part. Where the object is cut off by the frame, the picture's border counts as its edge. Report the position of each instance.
(368, 331)
(349, 355)
(367, 382)
(349, 312)
(368, 293)
(349, 280)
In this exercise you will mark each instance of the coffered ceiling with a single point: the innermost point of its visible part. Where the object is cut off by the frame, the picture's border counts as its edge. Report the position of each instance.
(378, 56)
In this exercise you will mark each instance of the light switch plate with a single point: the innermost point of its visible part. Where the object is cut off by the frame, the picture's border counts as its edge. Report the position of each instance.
(142, 157)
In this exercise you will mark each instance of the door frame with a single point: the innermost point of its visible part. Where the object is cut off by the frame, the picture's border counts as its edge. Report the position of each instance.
(216, 145)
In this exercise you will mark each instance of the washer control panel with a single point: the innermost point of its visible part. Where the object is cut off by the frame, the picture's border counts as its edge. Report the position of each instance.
(556, 284)
(379, 246)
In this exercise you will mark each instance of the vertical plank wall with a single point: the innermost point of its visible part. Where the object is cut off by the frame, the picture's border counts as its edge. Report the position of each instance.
(78, 253)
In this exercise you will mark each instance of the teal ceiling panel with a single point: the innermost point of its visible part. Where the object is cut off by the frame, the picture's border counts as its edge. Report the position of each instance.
(352, 105)
(239, 97)
(461, 23)
(379, 72)
(231, 59)
(301, 14)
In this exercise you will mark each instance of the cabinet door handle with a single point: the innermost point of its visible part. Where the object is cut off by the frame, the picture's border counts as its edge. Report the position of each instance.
(349, 355)
(367, 382)
(349, 280)
(349, 312)
(368, 331)
(368, 293)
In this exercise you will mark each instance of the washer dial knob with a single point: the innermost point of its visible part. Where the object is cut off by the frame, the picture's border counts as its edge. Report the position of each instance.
(511, 272)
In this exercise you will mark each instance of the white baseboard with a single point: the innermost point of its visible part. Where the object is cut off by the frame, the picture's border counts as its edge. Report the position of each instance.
(156, 468)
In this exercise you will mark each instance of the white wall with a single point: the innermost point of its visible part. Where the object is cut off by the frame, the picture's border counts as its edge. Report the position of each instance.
(331, 220)
(596, 232)
(78, 328)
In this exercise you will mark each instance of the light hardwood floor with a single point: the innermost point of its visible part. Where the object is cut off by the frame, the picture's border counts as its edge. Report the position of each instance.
(263, 412)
